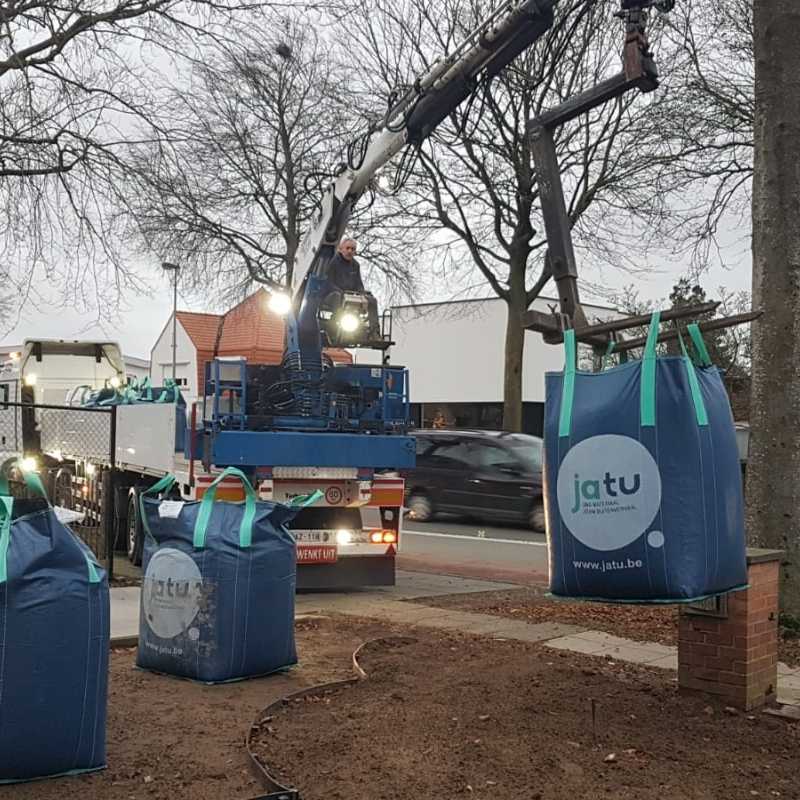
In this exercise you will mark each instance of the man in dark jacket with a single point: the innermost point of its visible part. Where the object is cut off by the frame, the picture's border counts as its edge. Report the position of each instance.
(344, 275)
(344, 272)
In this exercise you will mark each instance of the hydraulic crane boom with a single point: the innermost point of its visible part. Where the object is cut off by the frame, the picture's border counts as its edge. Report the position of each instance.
(513, 27)
(510, 30)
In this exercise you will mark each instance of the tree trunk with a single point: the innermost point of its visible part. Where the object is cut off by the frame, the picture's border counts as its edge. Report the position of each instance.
(773, 475)
(512, 379)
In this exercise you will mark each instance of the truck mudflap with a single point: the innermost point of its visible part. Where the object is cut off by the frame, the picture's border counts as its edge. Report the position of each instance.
(348, 573)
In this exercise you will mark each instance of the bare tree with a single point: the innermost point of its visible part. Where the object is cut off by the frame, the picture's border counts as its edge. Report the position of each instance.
(70, 88)
(250, 142)
(475, 177)
(707, 125)
(773, 489)
(250, 139)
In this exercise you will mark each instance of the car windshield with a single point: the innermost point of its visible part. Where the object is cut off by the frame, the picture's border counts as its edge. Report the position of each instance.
(528, 449)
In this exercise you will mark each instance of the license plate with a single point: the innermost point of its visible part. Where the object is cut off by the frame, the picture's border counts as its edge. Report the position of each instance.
(314, 537)
(316, 554)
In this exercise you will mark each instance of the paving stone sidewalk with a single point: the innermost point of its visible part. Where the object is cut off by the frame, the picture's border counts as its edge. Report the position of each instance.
(392, 605)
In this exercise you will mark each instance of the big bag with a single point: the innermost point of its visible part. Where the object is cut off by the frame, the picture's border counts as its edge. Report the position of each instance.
(643, 484)
(217, 600)
(54, 644)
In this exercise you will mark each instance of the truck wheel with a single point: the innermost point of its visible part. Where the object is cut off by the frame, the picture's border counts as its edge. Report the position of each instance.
(62, 489)
(420, 507)
(133, 539)
(536, 519)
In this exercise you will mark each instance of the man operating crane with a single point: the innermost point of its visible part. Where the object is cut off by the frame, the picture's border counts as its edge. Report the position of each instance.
(344, 275)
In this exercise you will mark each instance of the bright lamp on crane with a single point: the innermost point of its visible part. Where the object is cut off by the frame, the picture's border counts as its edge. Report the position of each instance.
(30, 379)
(115, 382)
(279, 303)
(349, 323)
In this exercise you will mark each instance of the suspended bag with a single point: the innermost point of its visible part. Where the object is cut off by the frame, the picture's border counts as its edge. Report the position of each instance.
(219, 585)
(54, 644)
(644, 488)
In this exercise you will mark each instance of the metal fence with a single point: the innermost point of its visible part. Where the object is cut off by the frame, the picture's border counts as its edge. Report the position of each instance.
(74, 450)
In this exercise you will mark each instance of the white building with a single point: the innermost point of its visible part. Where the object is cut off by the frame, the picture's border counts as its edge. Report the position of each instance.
(195, 335)
(455, 353)
(136, 368)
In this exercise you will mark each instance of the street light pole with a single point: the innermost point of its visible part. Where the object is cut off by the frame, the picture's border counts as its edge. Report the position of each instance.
(174, 268)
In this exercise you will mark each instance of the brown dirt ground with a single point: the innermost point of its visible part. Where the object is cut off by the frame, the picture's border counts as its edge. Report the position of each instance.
(453, 716)
(640, 623)
(171, 738)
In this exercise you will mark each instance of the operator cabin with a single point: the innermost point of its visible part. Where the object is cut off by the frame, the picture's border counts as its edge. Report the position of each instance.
(455, 353)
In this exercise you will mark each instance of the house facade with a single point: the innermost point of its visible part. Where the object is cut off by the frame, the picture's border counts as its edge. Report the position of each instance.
(248, 330)
(455, 353)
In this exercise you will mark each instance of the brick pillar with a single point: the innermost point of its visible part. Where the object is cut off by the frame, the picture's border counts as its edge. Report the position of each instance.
(728, 647)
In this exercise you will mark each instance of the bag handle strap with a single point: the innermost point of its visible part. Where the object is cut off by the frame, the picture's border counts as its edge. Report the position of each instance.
(32, 481)
(607, 356)
(163, 485)
(647, 387)
(568, 384)
(700, 413)
(146, 388)
(303, 501)
(207, 506)
(6, 504)
(699, 344)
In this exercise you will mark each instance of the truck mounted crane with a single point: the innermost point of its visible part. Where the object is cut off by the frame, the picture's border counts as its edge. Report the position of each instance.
(306, 423)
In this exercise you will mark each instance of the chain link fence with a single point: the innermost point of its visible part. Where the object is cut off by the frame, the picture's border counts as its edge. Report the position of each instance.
(73, 449)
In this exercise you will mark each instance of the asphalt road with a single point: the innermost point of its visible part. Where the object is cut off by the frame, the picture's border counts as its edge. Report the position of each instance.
(474, 550)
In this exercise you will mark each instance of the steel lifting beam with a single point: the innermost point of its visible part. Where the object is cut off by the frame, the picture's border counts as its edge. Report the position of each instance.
(639, 72)
(707, 325)
(556, 220)
(597, 334)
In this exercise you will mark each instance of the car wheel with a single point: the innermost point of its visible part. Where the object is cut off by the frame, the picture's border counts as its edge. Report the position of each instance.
(420, 507)
(536, 519)
(133, 539)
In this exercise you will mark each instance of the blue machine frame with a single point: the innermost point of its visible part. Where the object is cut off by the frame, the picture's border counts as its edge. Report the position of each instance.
(372, 436)
(304, 449)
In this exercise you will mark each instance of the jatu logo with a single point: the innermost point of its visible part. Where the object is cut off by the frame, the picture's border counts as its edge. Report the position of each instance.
(590, 489)
(608, 491)
(170, 588)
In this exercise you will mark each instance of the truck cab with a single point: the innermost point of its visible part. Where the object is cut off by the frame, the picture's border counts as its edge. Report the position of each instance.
(50, 371)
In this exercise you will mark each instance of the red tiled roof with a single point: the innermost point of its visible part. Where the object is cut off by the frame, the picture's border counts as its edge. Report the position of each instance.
(253, 331)
(249, 330)
(201, 328)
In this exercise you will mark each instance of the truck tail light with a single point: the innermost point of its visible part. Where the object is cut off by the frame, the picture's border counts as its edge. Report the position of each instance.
(383, 537)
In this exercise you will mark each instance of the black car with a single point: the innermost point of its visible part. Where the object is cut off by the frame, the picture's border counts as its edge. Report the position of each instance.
(485, 474)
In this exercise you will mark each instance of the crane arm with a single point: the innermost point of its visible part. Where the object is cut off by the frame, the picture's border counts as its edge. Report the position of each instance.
(511, 29)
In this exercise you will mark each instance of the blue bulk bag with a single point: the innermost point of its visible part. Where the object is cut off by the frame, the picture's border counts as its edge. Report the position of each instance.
(54, 644)
(217, 599)
(643, 485)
